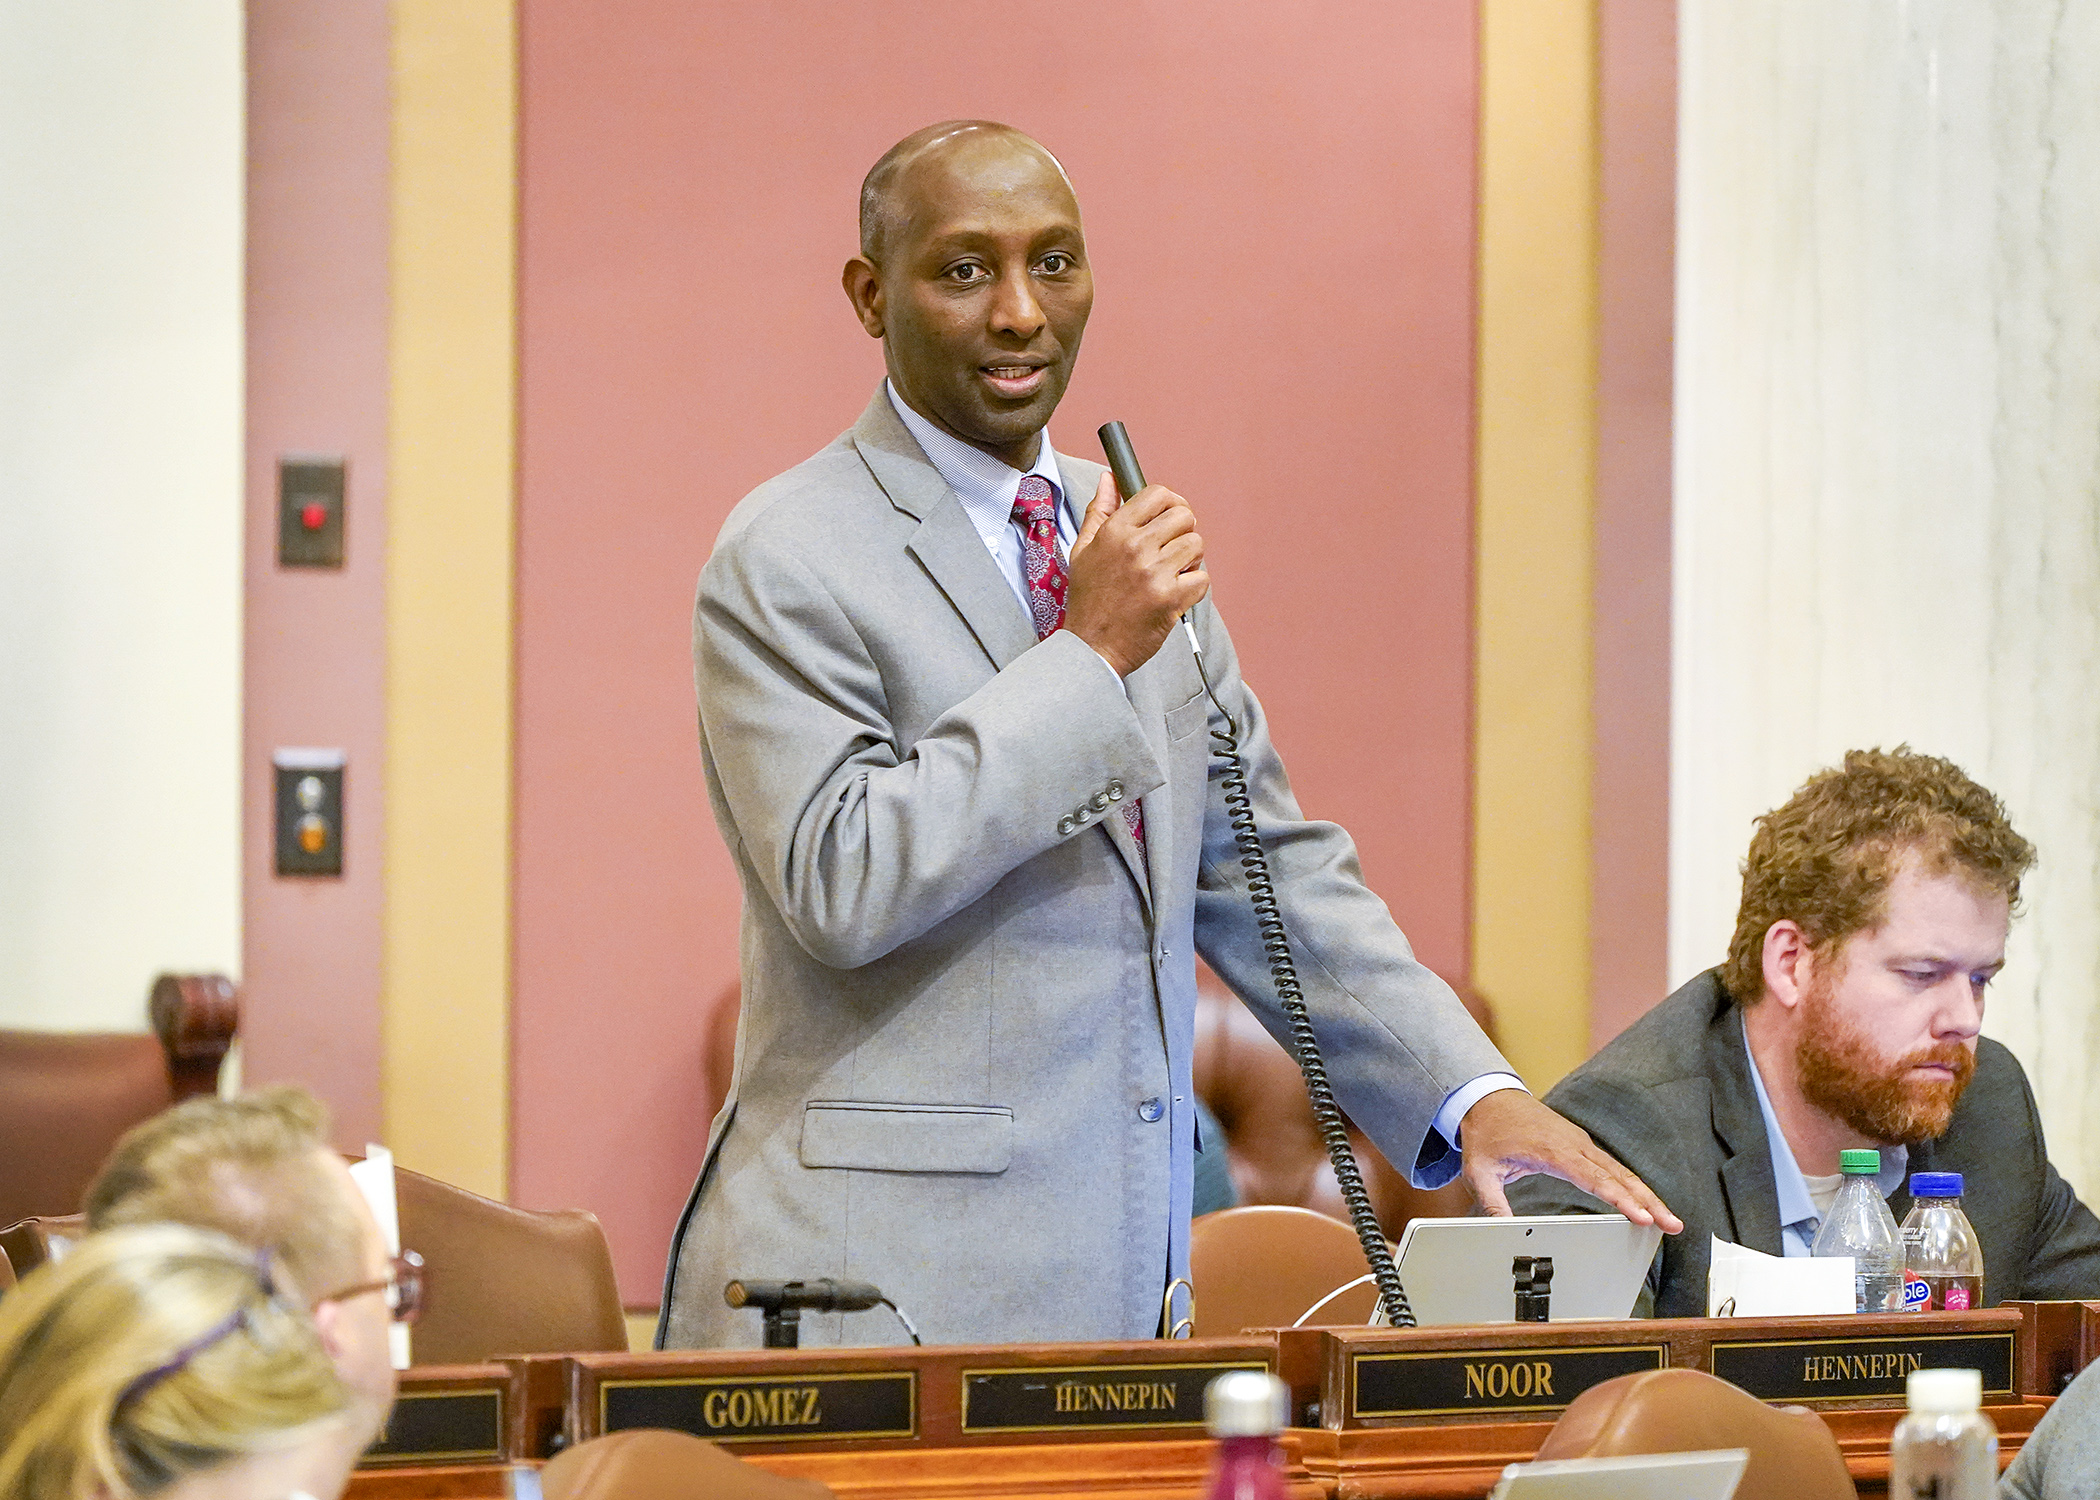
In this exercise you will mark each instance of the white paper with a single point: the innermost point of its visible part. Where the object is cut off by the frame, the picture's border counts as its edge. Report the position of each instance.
(1773, 1286)
(374, 1177)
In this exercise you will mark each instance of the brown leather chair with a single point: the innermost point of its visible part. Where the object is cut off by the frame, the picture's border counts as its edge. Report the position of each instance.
(28, 1242)
(1263, 1266)
(1254, 1088)
(649, 1464)
(7, 1272)
(66, 1097)
(1792, 1454)
(503, 1280)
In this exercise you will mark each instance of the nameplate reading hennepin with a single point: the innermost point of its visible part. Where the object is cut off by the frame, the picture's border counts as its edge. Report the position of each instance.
(1080, 1398)
(441, 1427)
(755, 1409)
(1856, 1369)
(1447, 1382)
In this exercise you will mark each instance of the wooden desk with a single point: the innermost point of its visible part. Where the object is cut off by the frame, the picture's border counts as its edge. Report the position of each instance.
(1124, 1420)
(1462, 1461)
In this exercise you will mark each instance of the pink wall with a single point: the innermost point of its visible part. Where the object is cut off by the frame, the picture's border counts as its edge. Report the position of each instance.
(315, 641)
(1280, 206)
(1630, 842)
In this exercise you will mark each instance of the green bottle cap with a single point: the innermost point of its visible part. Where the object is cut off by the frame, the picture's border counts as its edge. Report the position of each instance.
(1859, 1163)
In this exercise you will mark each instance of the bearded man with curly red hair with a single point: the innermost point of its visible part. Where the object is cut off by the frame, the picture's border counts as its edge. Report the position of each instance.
(1848, 1013)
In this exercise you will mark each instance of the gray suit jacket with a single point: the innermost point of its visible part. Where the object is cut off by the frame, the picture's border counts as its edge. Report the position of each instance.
(2061, 1458)
(963, 1064)
(1673, 1099)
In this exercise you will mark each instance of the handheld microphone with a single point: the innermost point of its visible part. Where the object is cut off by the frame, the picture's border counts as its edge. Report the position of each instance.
(1122, 458)
(825, 1295)
(1122, 462)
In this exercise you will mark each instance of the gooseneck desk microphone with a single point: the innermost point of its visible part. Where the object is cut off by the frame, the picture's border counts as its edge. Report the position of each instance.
(784, 1302)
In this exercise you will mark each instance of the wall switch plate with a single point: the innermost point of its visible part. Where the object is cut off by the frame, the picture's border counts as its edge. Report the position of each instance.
(309, 811)
(309, 512)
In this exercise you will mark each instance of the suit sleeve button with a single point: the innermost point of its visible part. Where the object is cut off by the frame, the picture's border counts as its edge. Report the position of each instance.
(1065, 824)
(1115, 791)
(1098, 801)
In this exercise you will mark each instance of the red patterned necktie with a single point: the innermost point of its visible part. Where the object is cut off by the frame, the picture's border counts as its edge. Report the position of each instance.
(1043, 565)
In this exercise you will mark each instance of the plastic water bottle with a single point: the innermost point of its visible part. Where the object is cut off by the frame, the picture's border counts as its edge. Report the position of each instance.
(1946, 1449)
(1860, 1225)
(1942, 1259)
(1245, 1409)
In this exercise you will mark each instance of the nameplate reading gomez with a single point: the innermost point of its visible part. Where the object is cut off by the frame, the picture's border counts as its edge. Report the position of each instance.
(1082, 1397)
(883, 1404)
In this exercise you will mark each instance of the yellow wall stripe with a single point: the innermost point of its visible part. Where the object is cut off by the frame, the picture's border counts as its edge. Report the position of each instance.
(446, 996)
(1536, 459)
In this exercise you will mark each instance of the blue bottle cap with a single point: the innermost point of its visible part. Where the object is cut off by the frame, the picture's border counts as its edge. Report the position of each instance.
(1935, 1184)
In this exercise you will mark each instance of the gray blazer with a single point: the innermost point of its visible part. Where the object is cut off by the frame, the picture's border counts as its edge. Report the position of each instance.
(2061, 1458)
(963, 1063)
(1673, 1099)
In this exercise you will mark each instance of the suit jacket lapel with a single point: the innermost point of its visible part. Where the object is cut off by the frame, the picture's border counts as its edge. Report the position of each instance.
(1746, 1174)
(949, 548)
(1118, 833)
(946, 544)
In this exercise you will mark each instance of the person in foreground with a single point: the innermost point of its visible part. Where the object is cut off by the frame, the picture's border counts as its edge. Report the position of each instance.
(1876, 905)
(2061, 1458)
(258, 1169)
(164, 1361)
(964, 761)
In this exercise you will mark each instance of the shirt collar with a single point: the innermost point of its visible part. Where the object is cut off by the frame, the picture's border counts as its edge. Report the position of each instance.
(1796, 1208)
(985, 486)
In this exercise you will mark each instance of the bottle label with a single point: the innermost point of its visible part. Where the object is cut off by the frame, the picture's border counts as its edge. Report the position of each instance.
(1942, 1293)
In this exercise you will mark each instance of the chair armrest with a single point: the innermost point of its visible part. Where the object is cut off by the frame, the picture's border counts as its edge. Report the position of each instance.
(196, 1017)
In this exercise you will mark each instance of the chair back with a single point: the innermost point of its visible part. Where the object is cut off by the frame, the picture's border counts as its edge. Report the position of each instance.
(1793, 1455)
(1263, 1266)
(1277, 1154)
(649, 1464)
(7, 1272)
(65, 1097)
(505, 1280)
(28, 1243)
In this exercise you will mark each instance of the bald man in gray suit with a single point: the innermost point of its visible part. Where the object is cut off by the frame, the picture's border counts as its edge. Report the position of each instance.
(967, 767)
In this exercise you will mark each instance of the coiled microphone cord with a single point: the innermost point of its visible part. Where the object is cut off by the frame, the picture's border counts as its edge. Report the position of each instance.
(1276, 943)
(1283, 973)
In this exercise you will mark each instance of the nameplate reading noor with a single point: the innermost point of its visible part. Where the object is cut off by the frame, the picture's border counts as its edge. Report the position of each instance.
(765, 1409)
(1856, 1369)
(458, 1427)
(1080, 1398)
(1449, 1382)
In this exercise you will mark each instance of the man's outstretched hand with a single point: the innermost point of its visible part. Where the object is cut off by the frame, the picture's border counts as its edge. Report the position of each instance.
(1508, 1134)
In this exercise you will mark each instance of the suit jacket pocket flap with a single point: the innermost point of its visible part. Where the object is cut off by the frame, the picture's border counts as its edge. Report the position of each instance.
(907, 1137)
(1187, 719)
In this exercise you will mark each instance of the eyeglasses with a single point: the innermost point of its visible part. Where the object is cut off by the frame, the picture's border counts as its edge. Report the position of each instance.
(403, 1285)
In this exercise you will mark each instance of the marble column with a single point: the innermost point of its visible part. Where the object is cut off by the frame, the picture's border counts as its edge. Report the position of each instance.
(1888, 454)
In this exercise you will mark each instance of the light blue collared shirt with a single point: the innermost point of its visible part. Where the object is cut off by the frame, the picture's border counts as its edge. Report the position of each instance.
(1798, 1219)
(986, 487)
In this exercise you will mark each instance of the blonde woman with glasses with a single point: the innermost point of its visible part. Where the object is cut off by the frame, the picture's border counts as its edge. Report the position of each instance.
(164, 1361)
